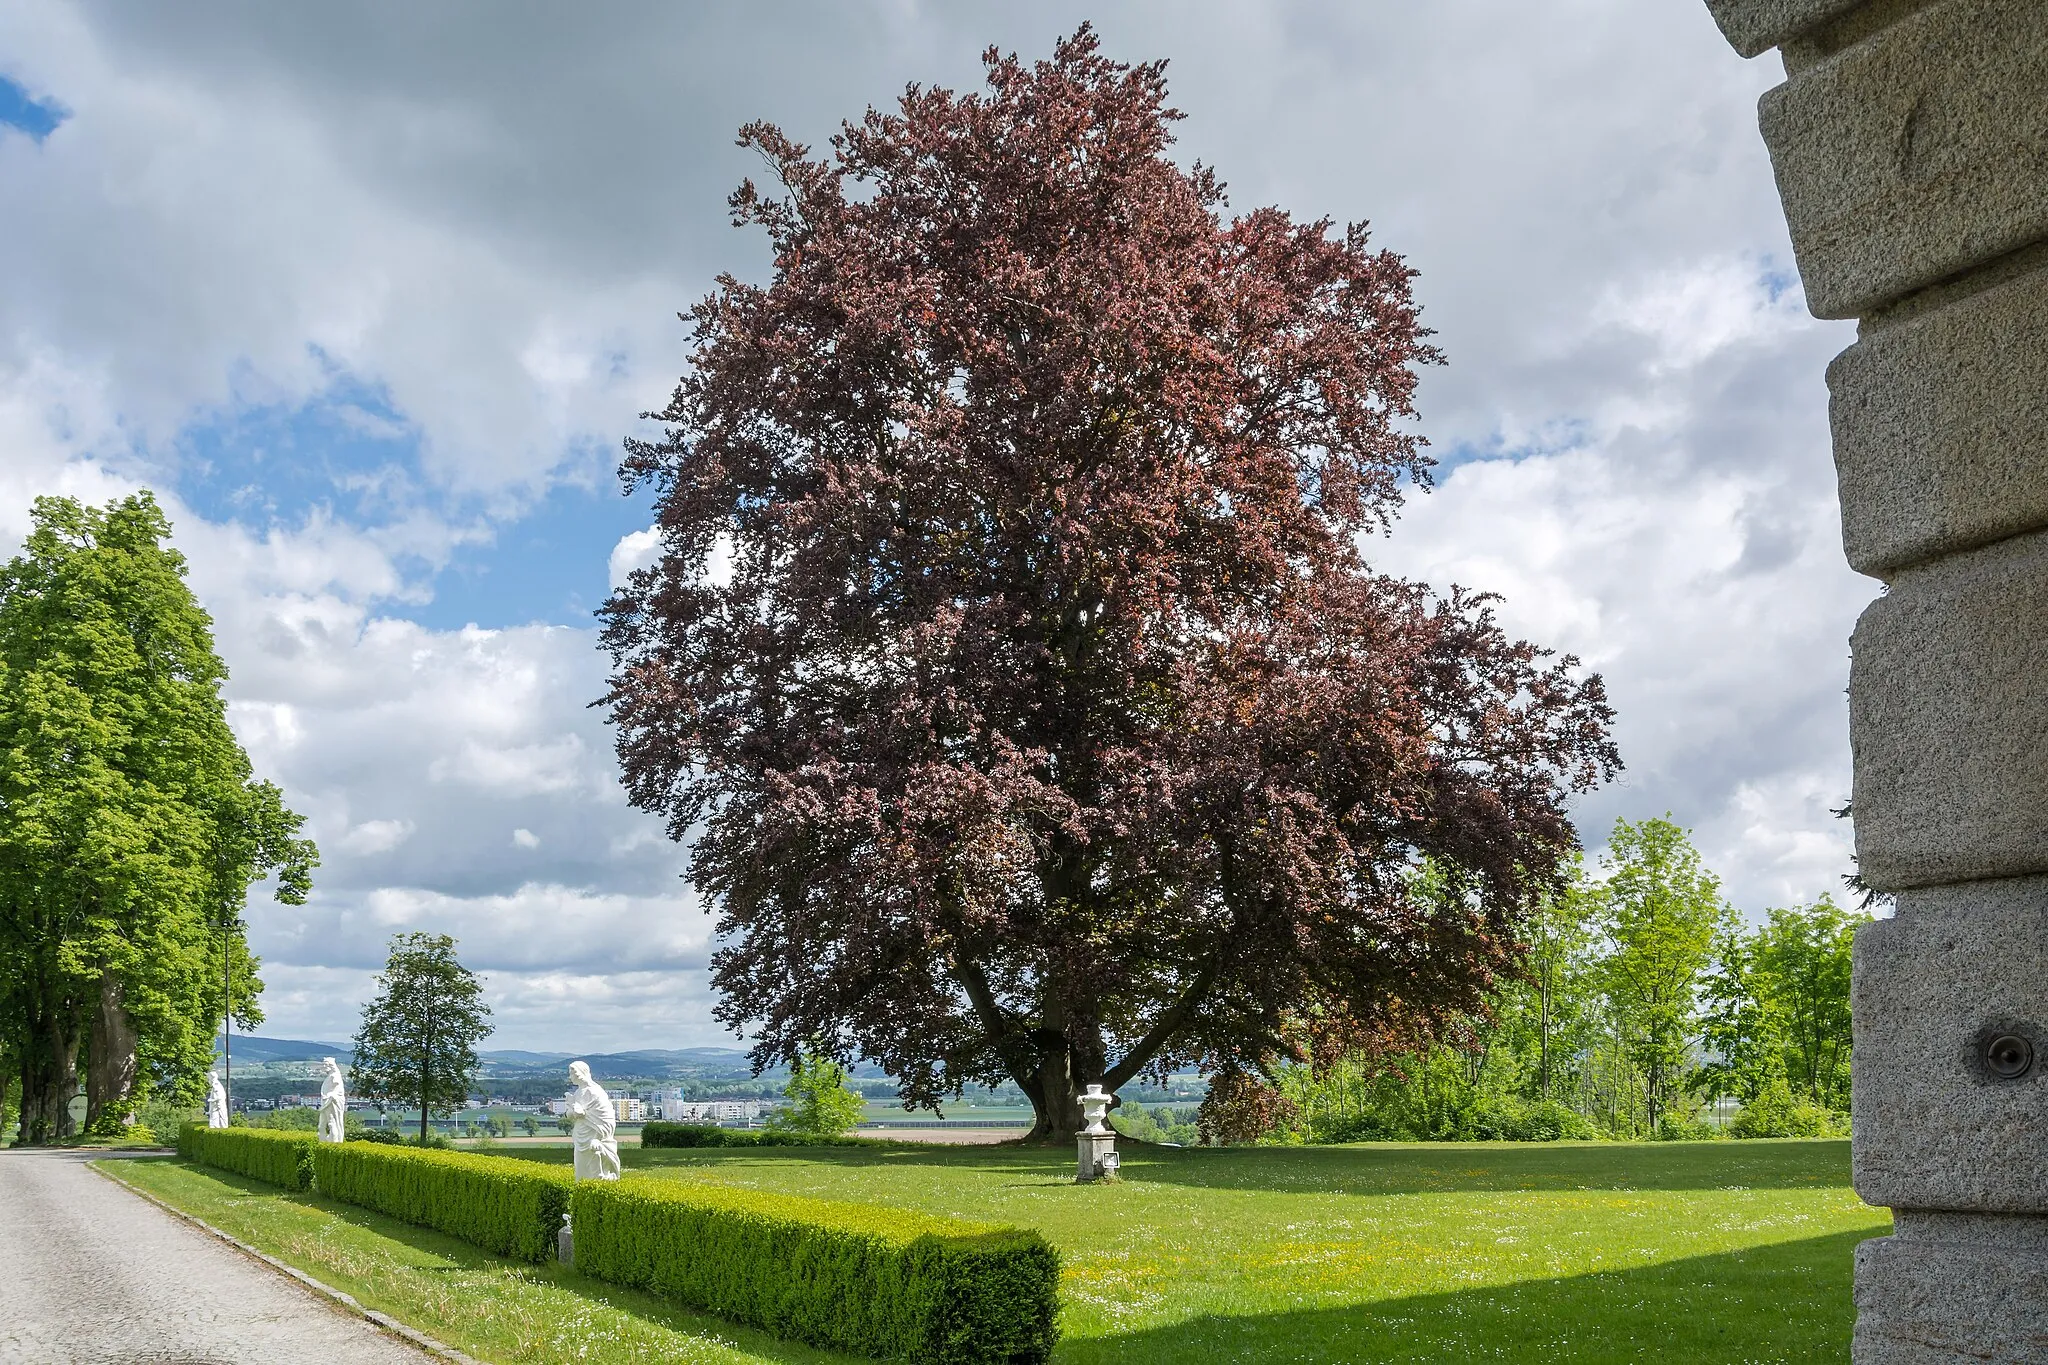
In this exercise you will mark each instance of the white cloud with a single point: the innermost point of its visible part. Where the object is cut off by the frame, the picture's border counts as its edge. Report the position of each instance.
(525, 838)
(636, 550)
(1709, 591)
(376, 836)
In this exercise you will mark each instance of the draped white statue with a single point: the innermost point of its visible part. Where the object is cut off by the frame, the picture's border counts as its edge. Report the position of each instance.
(596, 1132)
(216, 1102)
(333, 1103)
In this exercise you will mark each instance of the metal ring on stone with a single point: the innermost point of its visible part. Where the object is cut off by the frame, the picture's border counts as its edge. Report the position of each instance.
(2009, 1056)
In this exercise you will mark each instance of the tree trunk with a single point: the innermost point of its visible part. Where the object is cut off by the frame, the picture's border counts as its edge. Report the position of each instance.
(1055, 1097)
(426, 1061)
(48, 1081)
(110, 1055)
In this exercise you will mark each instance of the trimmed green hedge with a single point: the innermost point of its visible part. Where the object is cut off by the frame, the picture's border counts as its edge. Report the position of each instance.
(879, 1281)
(514, 1208)
(282, 1158)
(711, 1135)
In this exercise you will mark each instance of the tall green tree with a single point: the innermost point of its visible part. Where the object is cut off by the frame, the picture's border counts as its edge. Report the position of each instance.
(131, 828)
(1803, 956)
(1779, 1005)
(1660, 909)
(819, 1102)
(417, 1043)
(1553, 1005)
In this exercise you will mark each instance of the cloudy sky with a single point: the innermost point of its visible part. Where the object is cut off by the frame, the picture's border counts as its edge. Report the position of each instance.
(371, 293)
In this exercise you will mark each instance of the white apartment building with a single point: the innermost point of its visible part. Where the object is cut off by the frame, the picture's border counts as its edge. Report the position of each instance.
(624, 1107)
(676, 1109)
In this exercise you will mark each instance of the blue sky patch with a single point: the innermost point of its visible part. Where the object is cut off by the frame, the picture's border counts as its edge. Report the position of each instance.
(352, 457)
(19, 109)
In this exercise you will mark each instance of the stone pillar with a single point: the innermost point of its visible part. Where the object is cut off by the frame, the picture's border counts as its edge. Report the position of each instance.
(1910, 142)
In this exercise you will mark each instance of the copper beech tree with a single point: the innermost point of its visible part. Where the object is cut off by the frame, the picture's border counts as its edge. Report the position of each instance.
(1011, 658)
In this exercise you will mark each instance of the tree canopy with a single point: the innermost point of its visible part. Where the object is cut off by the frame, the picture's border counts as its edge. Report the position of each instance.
(131, 827)
(1050, 725)
(417, 1042)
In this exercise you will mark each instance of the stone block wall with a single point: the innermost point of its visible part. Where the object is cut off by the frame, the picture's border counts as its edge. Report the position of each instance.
(1910, 144)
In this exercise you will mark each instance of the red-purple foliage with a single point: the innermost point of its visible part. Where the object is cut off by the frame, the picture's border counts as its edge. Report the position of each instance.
(1050, 726)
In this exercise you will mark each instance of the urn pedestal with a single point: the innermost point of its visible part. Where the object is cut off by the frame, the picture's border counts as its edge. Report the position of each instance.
(1098, 1159)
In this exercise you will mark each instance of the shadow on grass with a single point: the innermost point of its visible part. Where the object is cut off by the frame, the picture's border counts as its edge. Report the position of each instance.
(1784, 1303)
(1365, 1169)
(438, 1253)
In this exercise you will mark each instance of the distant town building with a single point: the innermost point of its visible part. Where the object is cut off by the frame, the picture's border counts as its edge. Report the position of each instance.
(676, 1109)
(625, 1107)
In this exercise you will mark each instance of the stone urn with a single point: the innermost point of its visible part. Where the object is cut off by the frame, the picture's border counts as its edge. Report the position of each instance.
(1096, 1142)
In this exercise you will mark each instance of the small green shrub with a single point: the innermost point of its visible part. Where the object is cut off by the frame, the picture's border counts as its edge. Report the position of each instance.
(514, 1208)
(1775, 1113)
(281, 1158)
(1675, 1129)
(711, 1135)
(878, 1281)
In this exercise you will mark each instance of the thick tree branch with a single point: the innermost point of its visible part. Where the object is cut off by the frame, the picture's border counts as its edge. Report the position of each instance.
(994, 1023)
(1168, 1024)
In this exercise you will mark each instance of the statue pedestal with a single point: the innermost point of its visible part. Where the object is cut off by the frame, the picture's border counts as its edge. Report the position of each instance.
(1098, 1159)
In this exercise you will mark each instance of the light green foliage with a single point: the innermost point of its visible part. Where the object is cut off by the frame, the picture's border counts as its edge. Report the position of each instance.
(1439, 1093)
(1778, 1022)
(267, 1154)
(1776, 1112)
(819, 1102)
(306, 1121)
(1163, 1124)
(513, 1208)
(417, 1043)
(130, 825)
(1520, 1071)
(1660, 910)
(879, 1281)
(1550, 1017)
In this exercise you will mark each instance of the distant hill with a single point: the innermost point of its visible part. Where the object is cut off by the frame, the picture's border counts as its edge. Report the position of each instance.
(254, 1048)
(703, 1063)
(707, 1062)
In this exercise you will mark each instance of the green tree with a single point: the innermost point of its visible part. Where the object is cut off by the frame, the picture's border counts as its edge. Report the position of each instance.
(1803, 957)
(1779, 1006)
(819, 1103)
(1544, 1019)
(417, 1043)
(131, 828)
(1660, 910)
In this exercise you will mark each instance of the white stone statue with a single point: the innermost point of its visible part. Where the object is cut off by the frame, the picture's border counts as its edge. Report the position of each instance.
(216, 1102)
(596, 1131)
(1094, 1104)
(333, 1103)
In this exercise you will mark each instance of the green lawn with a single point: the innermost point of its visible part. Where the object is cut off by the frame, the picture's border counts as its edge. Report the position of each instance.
(1725, 1252)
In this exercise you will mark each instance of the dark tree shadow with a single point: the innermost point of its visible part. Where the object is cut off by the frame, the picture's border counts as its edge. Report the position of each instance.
(1786, 1303)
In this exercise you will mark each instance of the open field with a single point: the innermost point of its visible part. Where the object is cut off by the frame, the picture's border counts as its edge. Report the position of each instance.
(1722, 1252)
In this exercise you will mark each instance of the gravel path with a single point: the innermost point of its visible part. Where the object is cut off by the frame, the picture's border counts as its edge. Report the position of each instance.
(92, 1275)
